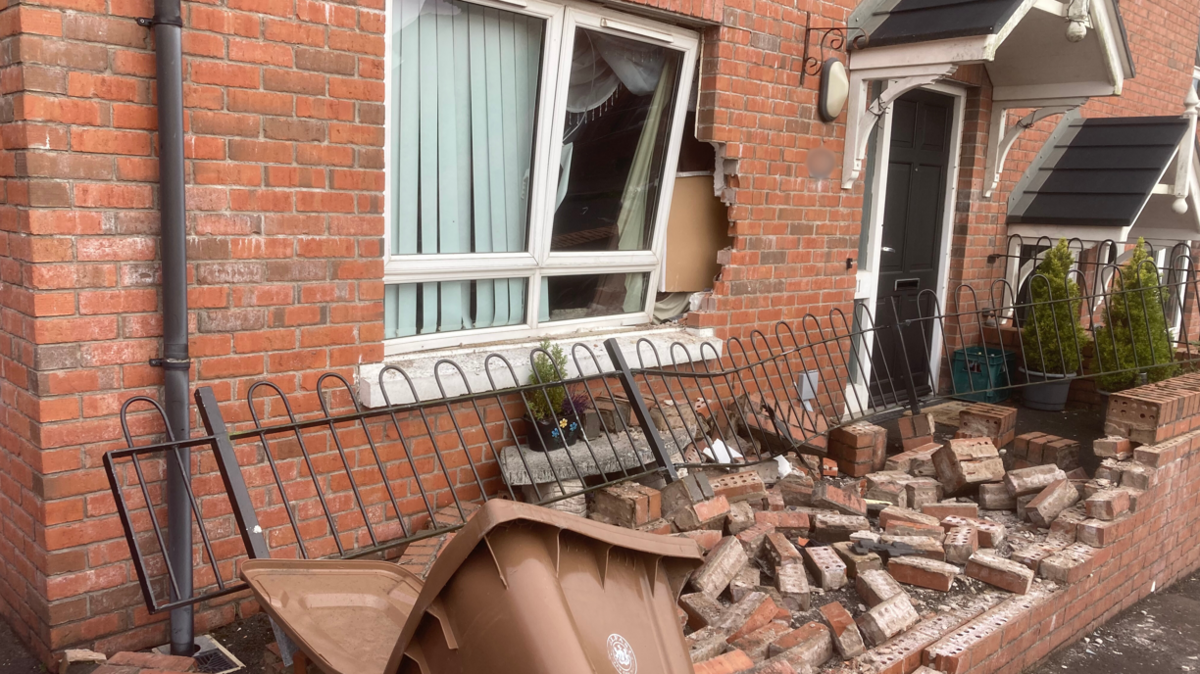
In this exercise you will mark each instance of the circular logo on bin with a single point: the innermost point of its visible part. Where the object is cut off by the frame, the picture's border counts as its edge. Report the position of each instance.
(620, 654)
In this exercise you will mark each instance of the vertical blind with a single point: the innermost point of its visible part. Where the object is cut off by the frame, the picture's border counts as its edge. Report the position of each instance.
(466, 94)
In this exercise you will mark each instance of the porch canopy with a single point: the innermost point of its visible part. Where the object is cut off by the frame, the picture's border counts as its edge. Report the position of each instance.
(1114, 179)
(1045, 56)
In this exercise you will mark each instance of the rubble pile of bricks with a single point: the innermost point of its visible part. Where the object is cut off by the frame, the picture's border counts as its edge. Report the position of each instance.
(938, 558)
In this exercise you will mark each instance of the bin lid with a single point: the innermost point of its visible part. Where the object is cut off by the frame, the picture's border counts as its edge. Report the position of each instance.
(676, 557)
(347, 614)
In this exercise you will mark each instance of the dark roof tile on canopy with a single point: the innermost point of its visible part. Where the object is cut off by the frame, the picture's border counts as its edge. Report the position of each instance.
(1098, 172)
(923, 20)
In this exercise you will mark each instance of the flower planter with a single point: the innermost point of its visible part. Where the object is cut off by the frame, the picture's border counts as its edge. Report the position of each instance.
(1047, 392)
(545, 436)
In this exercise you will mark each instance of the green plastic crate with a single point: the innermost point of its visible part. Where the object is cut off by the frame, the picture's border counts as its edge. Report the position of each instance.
(972, 370)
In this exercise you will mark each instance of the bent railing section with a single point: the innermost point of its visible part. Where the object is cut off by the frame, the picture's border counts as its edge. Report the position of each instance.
(309, 472)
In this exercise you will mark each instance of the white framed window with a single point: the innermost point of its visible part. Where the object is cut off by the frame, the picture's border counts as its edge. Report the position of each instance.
(531, 153)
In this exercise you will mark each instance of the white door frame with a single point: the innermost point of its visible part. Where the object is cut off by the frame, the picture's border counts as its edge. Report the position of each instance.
(867, 279)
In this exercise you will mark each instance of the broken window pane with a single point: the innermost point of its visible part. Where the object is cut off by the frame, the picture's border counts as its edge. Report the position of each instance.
(568, 297)
(616, 133)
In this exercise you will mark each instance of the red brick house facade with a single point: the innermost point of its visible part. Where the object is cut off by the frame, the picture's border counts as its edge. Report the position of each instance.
(286, 115)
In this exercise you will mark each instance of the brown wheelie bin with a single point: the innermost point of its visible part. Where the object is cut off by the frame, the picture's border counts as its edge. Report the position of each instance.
(520, 590)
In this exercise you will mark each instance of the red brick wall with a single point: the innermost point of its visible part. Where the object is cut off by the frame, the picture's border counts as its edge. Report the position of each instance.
(792, 233)
(284, 114)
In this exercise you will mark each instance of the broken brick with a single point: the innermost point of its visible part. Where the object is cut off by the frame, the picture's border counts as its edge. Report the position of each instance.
(985, 420)
(1108, 504)
(702, 610)
(706, 643)
(1062, 452)
(1070, 564)
(887, 619)
(826, 495)
(707, 538)
(733, 662)
(1101, 534)
(856, 563)
(1137, 476)
(991, 534)
(756, 643)
(789, 522)
(1025, 481)
(1031, 554)
(846, 637)
(780, 550)
(995, 496)
(688, 490)
(627, 504)
(829, 572)
(924, 546)
(916, 425)
(832, 527)
(738, 487)
(807, 646)
(752, 612)
(923, 572)
(791, 582)
(888, 492)
(720, 566)
(1050, 502)
(922, 491)
(960, 543)
(914, 529)
(905, 515)
(968, 462)
(1067, 523)
(796, 490)
(944, 510)
(708, 514)
(659, 526)
(1002, 573)
(746, 581)
(740, 518)
(1114, 447)
(875, 587)
(915, 462)
(752, 539)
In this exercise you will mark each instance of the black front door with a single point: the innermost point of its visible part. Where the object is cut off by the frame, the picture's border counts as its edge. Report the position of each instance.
(910, 259)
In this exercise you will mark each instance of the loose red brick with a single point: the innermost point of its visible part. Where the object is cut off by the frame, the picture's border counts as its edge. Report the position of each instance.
(923, 572)
(1003, 573)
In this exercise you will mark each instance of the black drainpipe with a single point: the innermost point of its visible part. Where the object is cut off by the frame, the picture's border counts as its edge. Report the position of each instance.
(168, 26)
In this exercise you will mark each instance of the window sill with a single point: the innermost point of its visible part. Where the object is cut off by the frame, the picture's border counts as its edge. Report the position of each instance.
(420, 366)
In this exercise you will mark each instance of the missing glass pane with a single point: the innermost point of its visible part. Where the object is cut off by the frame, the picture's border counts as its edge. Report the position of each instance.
(569, 297)
(447, 306)
(619, 108)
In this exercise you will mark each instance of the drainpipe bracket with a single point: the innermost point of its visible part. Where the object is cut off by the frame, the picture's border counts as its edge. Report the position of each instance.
(152, 22)
(171, 363)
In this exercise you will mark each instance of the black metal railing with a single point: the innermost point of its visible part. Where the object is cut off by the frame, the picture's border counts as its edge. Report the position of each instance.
(313, 473)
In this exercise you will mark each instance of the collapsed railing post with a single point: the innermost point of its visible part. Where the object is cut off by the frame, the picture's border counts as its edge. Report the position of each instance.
(639, 409)
(231, 475)
(914, 403)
